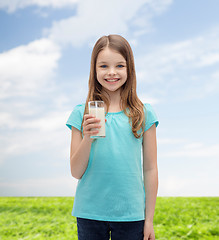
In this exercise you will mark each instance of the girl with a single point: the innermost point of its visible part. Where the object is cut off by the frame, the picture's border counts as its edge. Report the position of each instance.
(114, 195)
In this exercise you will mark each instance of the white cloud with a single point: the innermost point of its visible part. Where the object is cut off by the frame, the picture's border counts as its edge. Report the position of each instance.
(194, 150)
(180, 66)
(146, 99)
(193, 53)
(59, 186)
(47, 122)
(13, 5)
(29, 125)
(205, 185)
(43, 133)
(26, 69)
(209, 59)
(171, 141)
(200, 89)
(109, 17)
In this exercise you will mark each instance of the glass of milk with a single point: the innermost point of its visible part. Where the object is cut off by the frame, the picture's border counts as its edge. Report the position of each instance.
(96, 108)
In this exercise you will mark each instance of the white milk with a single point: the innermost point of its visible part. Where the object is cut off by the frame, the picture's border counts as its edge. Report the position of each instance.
(100, 114)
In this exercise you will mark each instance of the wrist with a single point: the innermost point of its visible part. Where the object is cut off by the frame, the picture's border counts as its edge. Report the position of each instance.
(88, 139)
(149, 220)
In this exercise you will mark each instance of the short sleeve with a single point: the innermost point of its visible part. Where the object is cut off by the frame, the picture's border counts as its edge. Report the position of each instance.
(75, 118)
(151, 117)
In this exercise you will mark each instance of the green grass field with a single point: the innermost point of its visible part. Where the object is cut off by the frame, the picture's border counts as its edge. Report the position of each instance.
(50, 218)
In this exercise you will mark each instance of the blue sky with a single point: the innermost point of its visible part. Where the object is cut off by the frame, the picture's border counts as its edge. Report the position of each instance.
(45, 49)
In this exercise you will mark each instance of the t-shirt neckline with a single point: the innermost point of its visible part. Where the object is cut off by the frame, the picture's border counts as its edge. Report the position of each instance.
(115, 112)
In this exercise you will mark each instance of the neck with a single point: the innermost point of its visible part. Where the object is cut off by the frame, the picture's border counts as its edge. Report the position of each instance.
(115, 99)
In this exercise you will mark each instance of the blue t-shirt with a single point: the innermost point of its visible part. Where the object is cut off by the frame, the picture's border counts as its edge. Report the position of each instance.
(112, 187)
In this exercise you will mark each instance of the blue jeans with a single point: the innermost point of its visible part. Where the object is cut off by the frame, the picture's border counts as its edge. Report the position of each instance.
(100, 230)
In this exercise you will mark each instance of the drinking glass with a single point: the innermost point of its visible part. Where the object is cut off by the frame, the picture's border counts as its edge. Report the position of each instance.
(96, 108)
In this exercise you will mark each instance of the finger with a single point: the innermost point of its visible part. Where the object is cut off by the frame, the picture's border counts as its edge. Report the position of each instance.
(87, 116)
(89, 123)
(90, 126)
(93, 119)
(88, 120)
(91, 133)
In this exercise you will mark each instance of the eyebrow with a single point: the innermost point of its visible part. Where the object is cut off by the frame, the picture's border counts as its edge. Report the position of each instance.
(117, 62)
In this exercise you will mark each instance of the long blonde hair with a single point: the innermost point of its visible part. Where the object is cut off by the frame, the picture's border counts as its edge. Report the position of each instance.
(128, 92)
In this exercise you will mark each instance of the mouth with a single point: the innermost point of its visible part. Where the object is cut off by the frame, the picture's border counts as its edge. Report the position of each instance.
(112, 80)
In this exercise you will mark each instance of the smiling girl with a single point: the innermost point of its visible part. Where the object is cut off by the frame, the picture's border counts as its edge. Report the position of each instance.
(116, 191)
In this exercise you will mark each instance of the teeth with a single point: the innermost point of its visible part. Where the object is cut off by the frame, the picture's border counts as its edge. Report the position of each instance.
(112, 80)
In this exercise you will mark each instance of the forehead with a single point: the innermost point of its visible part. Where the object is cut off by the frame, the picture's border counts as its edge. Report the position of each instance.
(109, 55)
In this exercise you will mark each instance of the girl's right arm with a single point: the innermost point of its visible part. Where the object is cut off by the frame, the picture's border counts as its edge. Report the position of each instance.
(80, 148)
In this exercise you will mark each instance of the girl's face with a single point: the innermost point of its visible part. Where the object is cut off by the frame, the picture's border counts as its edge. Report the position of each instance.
(111, 69)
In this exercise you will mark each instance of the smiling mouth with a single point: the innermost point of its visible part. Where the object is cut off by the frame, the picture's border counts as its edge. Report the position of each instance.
(112, 80)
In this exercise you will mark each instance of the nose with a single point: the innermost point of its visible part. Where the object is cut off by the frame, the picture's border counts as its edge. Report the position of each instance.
(112, 71)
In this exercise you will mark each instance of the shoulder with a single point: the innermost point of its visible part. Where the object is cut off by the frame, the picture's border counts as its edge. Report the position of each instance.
(146, 104)
(76, 116)
(151, 116)
(78, 110)
(148, 107)
(79, 107)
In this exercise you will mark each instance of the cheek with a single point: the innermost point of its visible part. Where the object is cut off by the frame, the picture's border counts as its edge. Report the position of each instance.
(100, 74)
(125, 75)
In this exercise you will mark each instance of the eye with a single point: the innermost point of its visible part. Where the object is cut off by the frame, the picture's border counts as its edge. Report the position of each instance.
(120, 66)
(103, 66)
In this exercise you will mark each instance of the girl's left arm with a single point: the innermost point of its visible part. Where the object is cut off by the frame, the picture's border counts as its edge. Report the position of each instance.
(150, 171)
